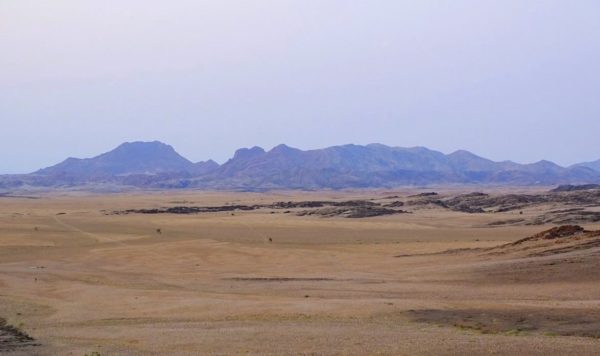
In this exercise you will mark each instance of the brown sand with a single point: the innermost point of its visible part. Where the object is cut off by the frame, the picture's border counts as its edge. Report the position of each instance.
(83, 282)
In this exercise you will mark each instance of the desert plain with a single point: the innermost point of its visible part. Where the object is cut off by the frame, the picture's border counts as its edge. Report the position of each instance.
(93, 274)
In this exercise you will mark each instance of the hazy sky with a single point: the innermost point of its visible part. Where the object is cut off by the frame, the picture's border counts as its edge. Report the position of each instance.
(505, 79)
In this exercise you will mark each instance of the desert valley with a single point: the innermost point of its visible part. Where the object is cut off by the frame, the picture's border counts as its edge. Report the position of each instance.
(406, 271)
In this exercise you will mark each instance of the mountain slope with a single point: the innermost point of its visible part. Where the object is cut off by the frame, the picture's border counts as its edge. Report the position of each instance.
(129, 158)
(204, 167)
(595, 165)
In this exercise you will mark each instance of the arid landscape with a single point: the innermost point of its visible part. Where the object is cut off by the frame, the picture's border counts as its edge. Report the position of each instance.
(417, 272)
(289, 177)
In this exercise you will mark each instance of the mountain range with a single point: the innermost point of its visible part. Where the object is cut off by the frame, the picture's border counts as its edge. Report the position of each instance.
(158, 165)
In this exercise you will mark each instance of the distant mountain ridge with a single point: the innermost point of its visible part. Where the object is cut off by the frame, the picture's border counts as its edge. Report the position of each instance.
(595, 165)
(376, 165)
(158, 165)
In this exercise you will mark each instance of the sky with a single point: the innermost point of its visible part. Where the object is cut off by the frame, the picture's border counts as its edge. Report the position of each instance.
(507, 80)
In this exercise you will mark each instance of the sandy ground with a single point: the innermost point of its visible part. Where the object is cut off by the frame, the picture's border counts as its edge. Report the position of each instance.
(82, 281)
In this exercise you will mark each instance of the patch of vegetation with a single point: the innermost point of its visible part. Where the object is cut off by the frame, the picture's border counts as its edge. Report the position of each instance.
(13, 338)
